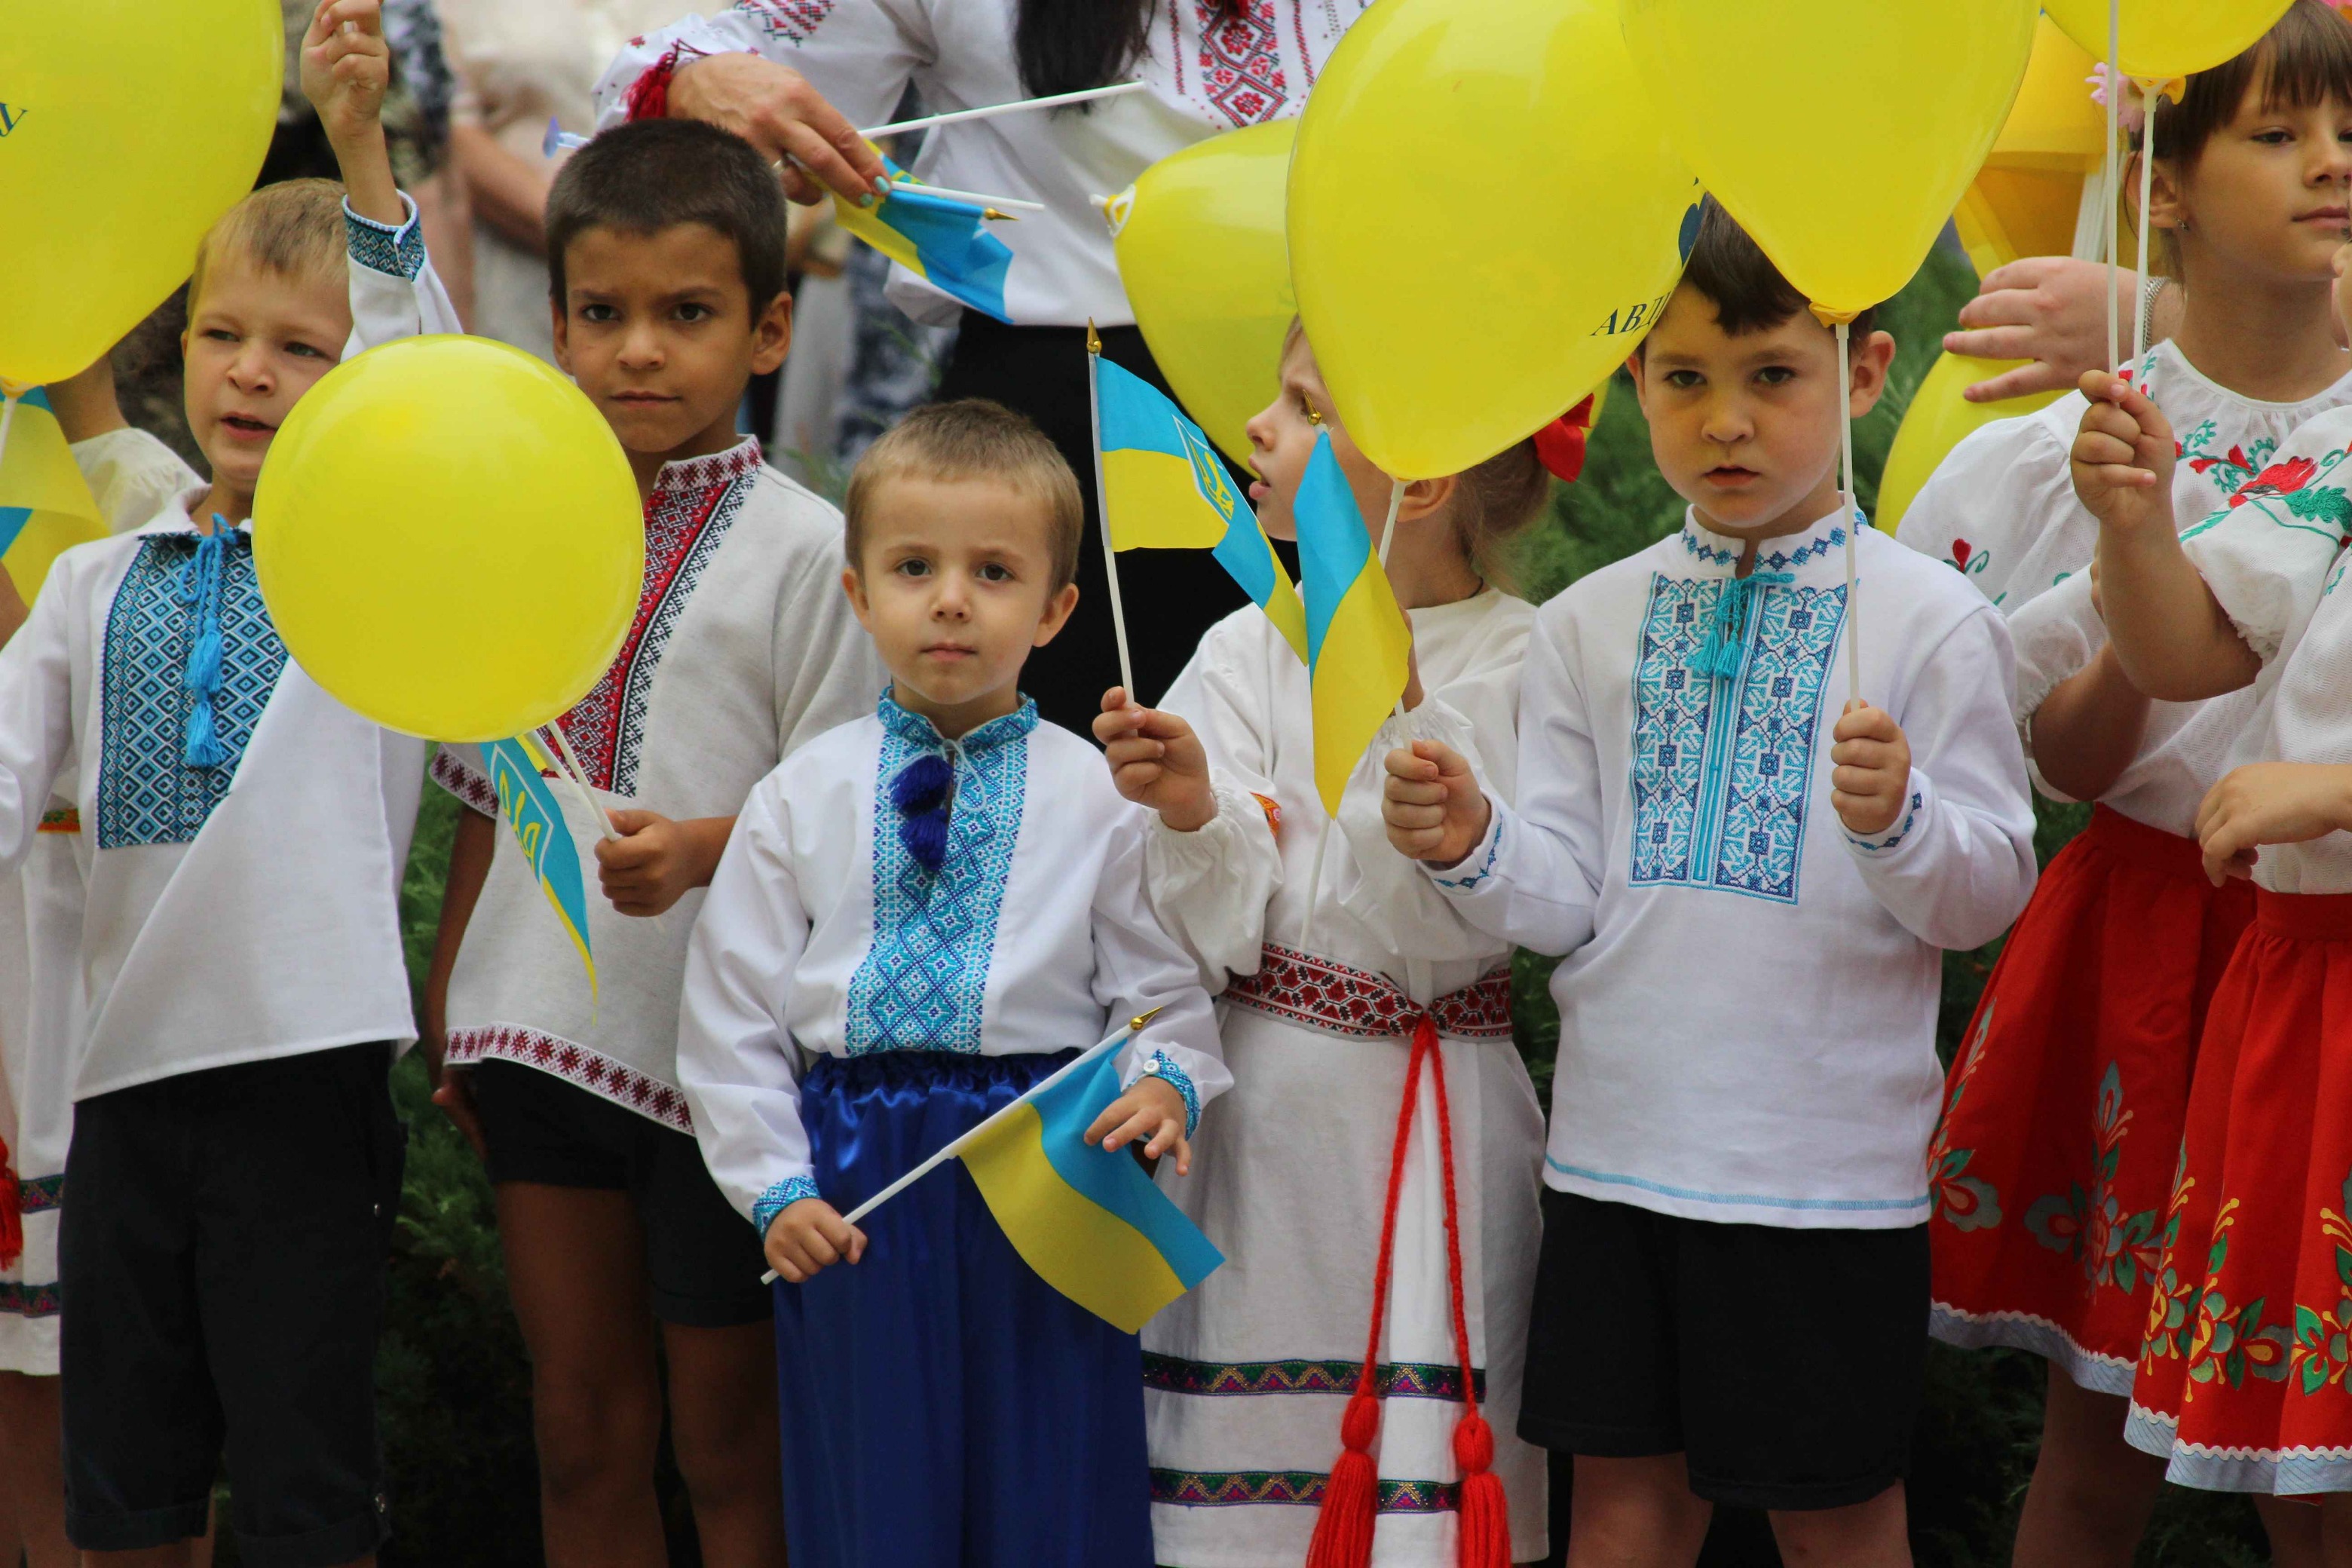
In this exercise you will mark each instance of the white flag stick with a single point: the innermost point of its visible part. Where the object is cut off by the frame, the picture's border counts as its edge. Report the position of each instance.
(569, 766)
(1102, 516)
(969, 198)
(1018, 106)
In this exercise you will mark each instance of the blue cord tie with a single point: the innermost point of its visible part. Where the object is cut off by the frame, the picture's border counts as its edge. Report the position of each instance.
(201, 589)
(1724, 653)
(924, 792)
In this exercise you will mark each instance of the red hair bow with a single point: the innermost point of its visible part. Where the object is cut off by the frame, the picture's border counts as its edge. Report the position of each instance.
(1560, 443)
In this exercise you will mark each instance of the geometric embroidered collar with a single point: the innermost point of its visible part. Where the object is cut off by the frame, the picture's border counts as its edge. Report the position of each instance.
(918, 730)
(1787, 552)
(688, 475)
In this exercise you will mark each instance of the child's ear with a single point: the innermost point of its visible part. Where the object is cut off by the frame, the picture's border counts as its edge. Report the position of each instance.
(1424, 498)
(1872, 358)
(2166, 209)
(1057, 615)
(1634, 368)
(772, 335)
(855, 586)
(563, 336)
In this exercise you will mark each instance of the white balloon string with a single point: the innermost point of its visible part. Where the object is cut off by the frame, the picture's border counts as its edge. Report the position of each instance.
(2114, 197)
(2146, 191)
(1388, 536)
(7, 417)
(1852, 523)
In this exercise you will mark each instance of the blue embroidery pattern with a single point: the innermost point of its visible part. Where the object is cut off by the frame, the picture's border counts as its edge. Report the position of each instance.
(1721, 766)
(1901, 833)
(394, 252)
(1163, 1066)
(779, 1196)
(1778, 561)
(1463, 884)
(921, 985)
(146, 792)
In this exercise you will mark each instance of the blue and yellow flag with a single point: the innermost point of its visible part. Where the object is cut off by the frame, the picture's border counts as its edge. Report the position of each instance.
(1164, 487)
(940, 241)
(45, 507)
(1359, 644)
(530, 808)
(1088, 1220)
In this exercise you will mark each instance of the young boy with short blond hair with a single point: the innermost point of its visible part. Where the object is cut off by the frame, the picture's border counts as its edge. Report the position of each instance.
(934, 908)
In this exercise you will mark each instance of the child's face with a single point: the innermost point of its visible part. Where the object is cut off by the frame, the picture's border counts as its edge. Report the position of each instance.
(2267, 194)
(955, 582)
(1748, 428)
(658, 329)
(1282, 437)
(256, 341)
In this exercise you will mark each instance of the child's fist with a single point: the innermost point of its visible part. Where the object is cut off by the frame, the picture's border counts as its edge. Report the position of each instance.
(808, 1236)
(657, 861)
(1156, 760)
(1432, 804)
(1871, 773)
(1153, 1111)
(347, 67)
(2269, 803)
(2123, 456)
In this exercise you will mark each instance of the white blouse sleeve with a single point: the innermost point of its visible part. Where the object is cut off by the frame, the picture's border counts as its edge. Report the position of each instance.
(737, 1065)
(1139, 969)
(2267, 556)
(2056, 636)
(860, 55)
(1211, 886)
(1989, 499)
(37, 739)
(396, 293)
(1957, 867)
(132, 476)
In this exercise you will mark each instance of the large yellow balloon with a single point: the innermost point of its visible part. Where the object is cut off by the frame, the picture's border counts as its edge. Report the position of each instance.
(449, 539)
(1935, 423)
(2026, 199)
(2170, 38)
(1199, 240)
(1483, 218)
(126, 128)
(1840, 134)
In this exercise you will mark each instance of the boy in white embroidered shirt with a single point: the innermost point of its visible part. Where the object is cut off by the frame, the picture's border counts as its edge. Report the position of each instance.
(1748, 1075)
(932, 906)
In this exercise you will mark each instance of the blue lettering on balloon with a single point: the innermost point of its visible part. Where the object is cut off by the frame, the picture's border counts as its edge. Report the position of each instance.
(11, 117)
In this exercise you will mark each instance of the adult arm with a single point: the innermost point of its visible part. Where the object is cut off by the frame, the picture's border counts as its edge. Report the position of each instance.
(2052, 310)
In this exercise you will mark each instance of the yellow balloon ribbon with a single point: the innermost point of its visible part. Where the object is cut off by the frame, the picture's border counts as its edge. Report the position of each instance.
(1839, 133)
(449, 539)
(126, 129)
(1484, 216)
(2162, 39)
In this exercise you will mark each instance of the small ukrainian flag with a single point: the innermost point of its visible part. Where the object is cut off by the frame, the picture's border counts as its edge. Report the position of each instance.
(45, 507)
(1359, 644)
(1164, 487)
(938, 240)
(1088, 1220)
(528, 805)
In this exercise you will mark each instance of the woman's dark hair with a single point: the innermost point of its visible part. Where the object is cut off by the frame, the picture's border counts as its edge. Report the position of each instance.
(1067, 46)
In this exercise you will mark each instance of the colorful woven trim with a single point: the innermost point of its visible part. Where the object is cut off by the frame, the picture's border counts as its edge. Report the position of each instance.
(1403, 1380)
(1344, 1001)
(573, 1063)
(469, 786)
(30, 1300)
(64, 819)
(39, 1195)
(1301, 1488)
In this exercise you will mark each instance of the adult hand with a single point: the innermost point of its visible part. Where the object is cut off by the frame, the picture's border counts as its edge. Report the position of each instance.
(2051, 310)
(773, 107)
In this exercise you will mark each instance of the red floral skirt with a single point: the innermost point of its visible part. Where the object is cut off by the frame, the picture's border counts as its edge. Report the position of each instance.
(2241, 1377)
(2063, 1114)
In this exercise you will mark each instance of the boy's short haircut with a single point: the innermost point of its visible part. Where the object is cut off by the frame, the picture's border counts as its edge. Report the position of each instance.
(652, 174)
(1749, 293)
(971, 439)
(294, 228)
(2305, 60)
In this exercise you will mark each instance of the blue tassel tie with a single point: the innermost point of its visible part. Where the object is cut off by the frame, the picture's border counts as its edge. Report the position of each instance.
(923, 792)
(1724, 653)
(201, 592)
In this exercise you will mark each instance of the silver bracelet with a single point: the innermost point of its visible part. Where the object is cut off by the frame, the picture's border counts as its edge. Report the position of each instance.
(2149, 288)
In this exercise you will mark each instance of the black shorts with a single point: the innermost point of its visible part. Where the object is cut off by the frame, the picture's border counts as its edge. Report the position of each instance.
(704, 1259)
(224, 1255)
(1786, 1365)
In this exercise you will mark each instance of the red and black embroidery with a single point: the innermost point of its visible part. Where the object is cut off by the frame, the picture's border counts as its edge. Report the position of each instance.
(1344, 1001)
(574, 1062)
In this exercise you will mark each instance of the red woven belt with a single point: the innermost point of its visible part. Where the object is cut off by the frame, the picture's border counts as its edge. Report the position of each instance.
(1328, 995)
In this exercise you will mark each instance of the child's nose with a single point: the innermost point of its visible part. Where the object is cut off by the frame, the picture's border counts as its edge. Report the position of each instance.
(1260, 428)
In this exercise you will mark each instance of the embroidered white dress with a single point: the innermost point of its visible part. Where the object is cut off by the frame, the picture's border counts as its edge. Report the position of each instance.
(1208, 71)
(132, 476)
(2002, 508)
(293, 845)
(1674, 836)
(1246, 1379)
(743, 647)
(1039, 935)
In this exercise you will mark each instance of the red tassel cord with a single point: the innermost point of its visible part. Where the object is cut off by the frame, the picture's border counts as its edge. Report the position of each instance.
(1482, 1520)
(648, 96)
(12, 1210)
(1343, 1528)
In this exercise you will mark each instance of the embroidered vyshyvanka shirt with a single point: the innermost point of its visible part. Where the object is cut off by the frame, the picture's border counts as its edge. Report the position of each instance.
(743, 647)
(2002, 510)
(244, 910)
(2274, 557)
(1207, 71)
(823, 933)
(1747, 1008)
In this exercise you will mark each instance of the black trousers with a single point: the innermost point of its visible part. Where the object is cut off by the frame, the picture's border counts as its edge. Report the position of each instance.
(1172, 597)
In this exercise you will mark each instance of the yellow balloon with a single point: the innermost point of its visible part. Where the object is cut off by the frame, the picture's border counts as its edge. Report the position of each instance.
(2170, 38)
(2026, 199)
(1840, 134)
(1199, 248)
(449, 539)
(1935, 423)
(1449, 328)
(126, 129)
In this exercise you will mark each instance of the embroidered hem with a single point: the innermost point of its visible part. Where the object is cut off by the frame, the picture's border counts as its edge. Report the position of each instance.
(2275, 1472)
(1326, 995)
(42, 1301)
(574, 1062)
(2085, 1367)
(1902, 831)
(40, 1195)
(1304, 1489)
(468, 786)
(1399, 1380)
(380, 247)
(779, 1196)
(1464, 884)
